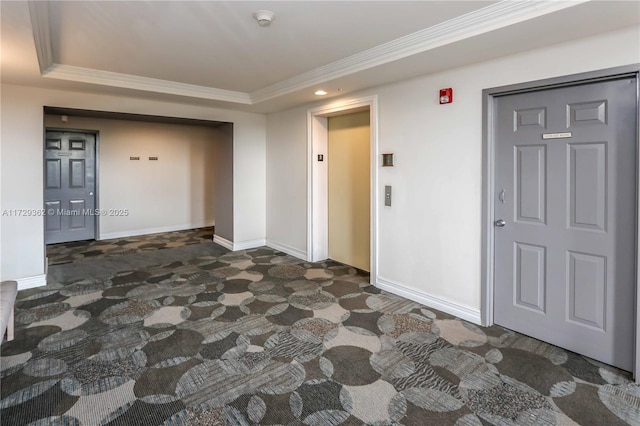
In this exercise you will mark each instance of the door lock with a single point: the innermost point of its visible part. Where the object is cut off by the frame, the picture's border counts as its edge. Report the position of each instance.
(500, 223)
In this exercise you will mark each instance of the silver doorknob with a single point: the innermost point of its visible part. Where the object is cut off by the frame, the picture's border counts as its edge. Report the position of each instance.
(500, 223)
(91, 193)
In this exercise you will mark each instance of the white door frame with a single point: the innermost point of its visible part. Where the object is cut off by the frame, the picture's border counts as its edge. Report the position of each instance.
(317, 185)
(488, 179)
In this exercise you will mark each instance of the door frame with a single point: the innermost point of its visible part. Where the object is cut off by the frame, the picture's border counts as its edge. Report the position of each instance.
(488, 180)
(317, 185)
(96, 134)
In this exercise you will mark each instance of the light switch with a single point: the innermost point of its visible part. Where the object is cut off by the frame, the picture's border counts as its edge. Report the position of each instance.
(387, 195)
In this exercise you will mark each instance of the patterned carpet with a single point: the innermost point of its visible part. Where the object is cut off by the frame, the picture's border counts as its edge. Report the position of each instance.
(92, 249)
(259, 337)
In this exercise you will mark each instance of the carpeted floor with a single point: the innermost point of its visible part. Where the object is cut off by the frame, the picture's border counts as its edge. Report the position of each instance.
(92, 249)
(259, 337)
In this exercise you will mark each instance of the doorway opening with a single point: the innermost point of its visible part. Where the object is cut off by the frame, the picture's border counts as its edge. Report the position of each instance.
(348, 177)
(318, 202)
(164, 182)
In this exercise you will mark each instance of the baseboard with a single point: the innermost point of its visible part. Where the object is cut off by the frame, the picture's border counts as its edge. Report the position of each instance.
(292, 251)
(145, 231)
(461, 311)
(31, 282)
(242, 245)
(249, 244)
(223, 242)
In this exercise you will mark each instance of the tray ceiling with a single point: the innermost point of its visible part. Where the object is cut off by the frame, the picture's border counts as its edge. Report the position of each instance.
(215, 51)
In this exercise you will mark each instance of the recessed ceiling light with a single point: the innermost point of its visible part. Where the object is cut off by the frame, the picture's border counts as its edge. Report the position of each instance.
(320, 92)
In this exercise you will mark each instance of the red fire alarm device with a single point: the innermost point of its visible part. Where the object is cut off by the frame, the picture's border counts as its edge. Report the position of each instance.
(446, 95)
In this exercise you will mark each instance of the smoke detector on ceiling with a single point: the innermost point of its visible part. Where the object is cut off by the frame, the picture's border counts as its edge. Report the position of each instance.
(264, 17)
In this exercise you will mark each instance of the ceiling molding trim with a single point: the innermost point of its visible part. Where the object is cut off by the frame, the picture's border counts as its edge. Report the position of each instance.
(481, 21)
(495, 16)
(127, 81)
(39, 13)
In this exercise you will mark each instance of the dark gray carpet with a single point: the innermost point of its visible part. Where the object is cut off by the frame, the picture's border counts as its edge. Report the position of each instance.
(107, 266)
(78, 251)
(201, 336)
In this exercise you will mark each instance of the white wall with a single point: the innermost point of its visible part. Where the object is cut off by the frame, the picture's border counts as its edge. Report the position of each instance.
(287, 180)
(175, 192)
(429, 240)
(21, 168)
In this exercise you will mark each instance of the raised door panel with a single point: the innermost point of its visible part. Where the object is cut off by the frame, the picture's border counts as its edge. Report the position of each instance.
(586, 288)
(530, 183)
(77, 173)
(531, 118)
(586, 113)
(530, 276)
(587, 186)
(53, 221)
(53, 174)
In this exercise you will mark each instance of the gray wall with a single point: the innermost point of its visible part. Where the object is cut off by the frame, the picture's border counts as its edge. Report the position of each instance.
(223, 177)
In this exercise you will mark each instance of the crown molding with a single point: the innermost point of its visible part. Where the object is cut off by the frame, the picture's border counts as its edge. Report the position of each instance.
(493, 17)
(498, 15)
(40, 23)
(128, 81)
(39, 13)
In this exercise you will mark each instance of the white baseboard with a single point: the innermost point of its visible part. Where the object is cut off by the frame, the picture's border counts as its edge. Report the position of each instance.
(461, 311)
(292, 251)
(242, 245)
(223, 242)
(249, 244)
(31, 282)
(145, 231)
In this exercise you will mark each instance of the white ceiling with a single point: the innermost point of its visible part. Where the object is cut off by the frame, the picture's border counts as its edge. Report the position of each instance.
(215, 53)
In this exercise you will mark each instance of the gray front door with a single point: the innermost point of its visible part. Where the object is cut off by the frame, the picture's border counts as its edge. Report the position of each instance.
(565, 172)
(69, 187)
